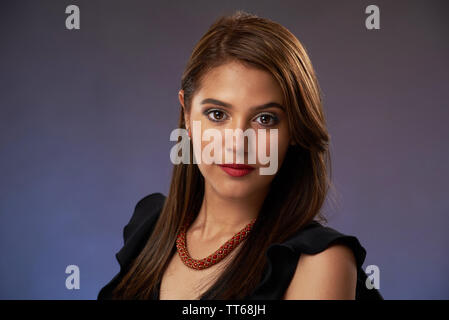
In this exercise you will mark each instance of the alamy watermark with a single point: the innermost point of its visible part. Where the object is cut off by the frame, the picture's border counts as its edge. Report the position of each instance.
(372, 22)
(214, 150)
(73, 280)
(234, 144)
(373, 277)
(73, 19)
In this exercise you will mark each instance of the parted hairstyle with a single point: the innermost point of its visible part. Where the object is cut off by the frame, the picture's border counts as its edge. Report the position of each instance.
(297, 192)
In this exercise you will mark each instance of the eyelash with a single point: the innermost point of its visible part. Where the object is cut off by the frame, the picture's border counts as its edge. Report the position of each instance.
(274, 118)
(210, 111)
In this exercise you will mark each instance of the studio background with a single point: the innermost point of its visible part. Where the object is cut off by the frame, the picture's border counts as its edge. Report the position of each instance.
(85, 119)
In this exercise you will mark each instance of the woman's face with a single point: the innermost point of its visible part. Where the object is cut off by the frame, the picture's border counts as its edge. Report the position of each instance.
(236, 89)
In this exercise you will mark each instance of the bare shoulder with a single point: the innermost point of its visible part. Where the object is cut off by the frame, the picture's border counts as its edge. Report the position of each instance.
(330, 274)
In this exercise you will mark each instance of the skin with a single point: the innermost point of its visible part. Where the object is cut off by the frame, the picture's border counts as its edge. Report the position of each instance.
(328, 275)
(230, 203)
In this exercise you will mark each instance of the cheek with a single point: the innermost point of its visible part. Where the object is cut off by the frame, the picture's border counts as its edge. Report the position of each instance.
(282, 149)
(197, 139)
(276, 146)
(210, 149)
(205, 170)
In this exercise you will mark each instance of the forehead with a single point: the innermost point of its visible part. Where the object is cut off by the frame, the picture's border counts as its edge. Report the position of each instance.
(239, 85)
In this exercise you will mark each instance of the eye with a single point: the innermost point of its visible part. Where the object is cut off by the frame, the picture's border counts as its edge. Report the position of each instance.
(268, 119)
(215, 115)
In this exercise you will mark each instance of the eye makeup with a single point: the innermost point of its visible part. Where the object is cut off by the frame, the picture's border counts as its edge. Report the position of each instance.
(274, 119)
(211, 113)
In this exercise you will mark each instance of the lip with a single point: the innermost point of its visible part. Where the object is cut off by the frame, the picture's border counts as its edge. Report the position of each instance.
(236, 170)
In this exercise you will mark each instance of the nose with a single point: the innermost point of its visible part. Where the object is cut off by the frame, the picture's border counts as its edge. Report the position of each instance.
(235, 142)
(235, 130)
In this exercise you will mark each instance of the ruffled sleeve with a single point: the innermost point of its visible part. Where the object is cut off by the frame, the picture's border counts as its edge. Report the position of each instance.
(282, 259)
(139, 226)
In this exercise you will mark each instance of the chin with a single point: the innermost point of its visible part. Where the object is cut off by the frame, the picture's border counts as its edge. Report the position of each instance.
(236, 188)
(232, 187)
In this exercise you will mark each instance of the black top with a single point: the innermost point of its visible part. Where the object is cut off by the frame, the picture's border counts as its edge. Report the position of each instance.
(282, 257)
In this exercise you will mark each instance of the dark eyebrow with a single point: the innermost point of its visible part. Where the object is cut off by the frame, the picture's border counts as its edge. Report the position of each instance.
(229, 106)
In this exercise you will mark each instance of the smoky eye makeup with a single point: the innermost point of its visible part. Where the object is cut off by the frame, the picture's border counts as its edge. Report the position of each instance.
(214, 114)
(273, 118)
(267, 119)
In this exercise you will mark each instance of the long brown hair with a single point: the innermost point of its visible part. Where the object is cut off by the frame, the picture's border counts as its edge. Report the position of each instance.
(298, 190)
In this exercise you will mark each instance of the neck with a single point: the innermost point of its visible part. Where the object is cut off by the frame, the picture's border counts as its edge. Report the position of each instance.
(220, 216)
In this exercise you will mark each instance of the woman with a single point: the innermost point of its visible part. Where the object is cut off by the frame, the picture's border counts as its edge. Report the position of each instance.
(228, 231)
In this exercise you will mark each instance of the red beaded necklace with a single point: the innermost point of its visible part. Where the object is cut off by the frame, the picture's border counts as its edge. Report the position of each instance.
(214, 258)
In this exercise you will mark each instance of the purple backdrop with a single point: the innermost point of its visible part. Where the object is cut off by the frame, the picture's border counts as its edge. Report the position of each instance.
(86, 115)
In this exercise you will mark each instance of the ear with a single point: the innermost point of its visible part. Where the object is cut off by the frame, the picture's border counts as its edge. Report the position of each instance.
(186, 114)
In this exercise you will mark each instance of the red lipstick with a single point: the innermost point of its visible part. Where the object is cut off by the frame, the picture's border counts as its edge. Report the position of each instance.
(236, 170)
